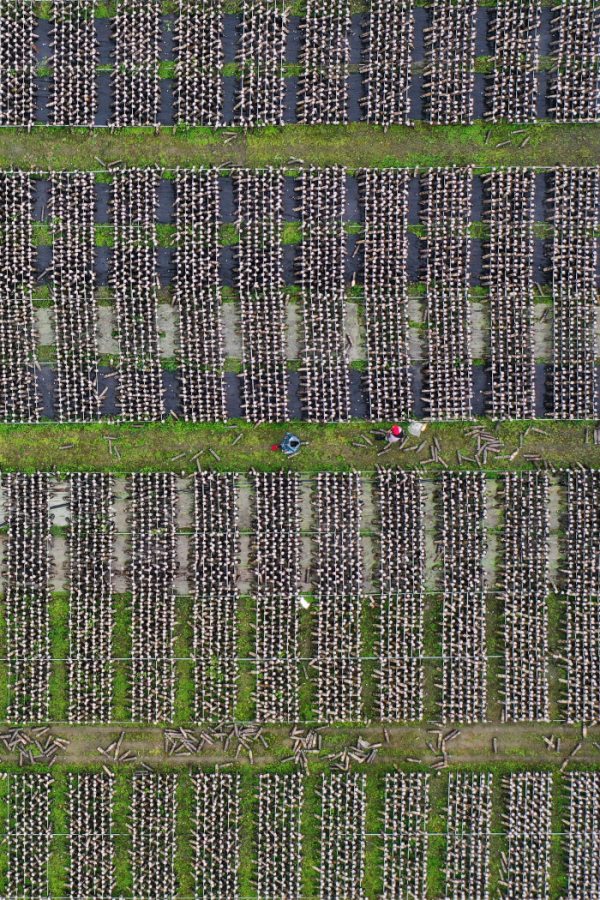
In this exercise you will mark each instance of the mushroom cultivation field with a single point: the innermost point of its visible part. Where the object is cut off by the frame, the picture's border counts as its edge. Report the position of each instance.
(299, 450)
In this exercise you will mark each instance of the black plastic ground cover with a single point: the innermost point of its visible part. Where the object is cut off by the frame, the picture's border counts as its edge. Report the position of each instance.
(353, 214)
(481, 386)
(356, 88)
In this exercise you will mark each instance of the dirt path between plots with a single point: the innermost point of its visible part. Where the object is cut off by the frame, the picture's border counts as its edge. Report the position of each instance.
(519, 744)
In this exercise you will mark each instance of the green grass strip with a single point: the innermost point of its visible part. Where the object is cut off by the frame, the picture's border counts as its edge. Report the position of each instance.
(151, 447)
(354, 145)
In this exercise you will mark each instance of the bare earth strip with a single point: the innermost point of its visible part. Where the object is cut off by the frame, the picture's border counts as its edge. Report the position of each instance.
(516, 744)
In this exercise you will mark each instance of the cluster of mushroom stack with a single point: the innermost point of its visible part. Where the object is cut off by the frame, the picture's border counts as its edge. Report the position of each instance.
(450, 60)
(463, 544)
(72, 210)
(276, 564)
(343, 845)
(91, 618)
(153, 841)
(214, 564)
(216, 841)
(17, 63)
(262, 298)
(405, 834)
(468, 834)
(385, 198)
(74, 58)
(400, 575)
(581, 587)
(528, 826)
(91, 841)
(582, 827)
(153, 571)
(136, 83)
(446, 201)
(325, 375)
(508, 273)
(575, 88)
(261, 57)
(198, 75)
(576, 210)
(27, 595)
(387, 66)
(134, 281)
(18, 394)
(197, 295)
(524, 593)
(325, 55)
(514, 36)
(28, 834)
(279, 851)
(339, 577)
(198, 36)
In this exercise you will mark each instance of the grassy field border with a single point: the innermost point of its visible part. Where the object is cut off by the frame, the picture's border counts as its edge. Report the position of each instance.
(358, 144)
(184, 447)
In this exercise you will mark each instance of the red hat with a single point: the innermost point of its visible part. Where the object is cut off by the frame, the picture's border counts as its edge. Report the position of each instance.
(396, 429)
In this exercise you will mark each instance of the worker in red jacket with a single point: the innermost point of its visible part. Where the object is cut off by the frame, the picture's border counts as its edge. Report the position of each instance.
(393, 435)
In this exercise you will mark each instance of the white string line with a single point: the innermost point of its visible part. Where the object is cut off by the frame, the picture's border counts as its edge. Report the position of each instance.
(367, 834)
(366, 477)
(413, 725)
(234, 167)
(253, 659)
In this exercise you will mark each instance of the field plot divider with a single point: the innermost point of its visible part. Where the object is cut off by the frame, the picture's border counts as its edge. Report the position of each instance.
(450, 57)
(260, 282)
(339, 590)
(29, 837)
(198, 38)
(400, 573)
(325, 55)
(214, 569)
(508, 273)
(324, 373)
(91, 613)
(573, 92)
(515, 36)
(197, 296)
(446, 213)
(463, 538)
(135, 78)
(581, 586)
(529, 804)
(27, 596)
(91, 839)
(134, 282)
(276, 586)
(583, 829)
(17, 64)
(525, 595)
(74, 59)
(468, 834)
(261, 57)
(385, 200)
(72, 211)
(575, 204)
(153, 830)
(19, 400)
(153, 572)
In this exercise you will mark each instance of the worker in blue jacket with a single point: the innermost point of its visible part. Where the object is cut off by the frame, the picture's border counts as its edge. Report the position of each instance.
(290, 444)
